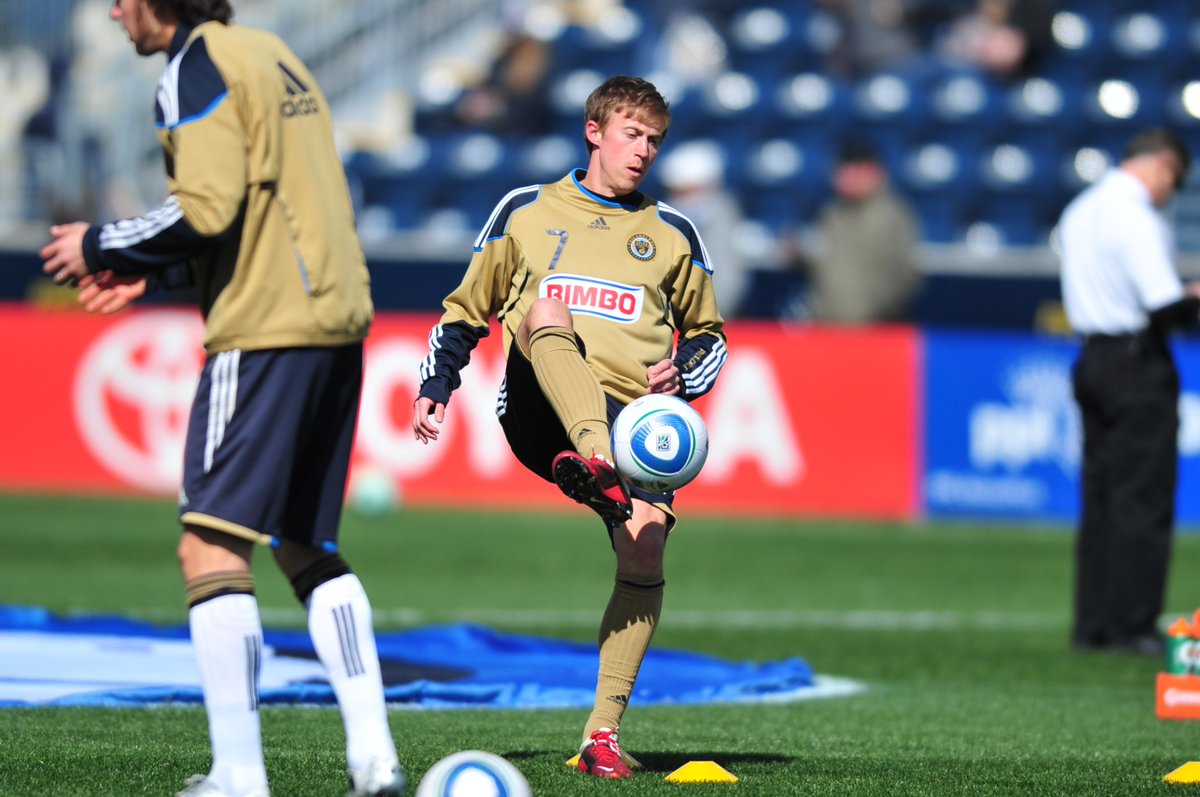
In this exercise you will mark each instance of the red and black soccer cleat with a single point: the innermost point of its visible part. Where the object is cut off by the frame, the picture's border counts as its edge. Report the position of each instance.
(601, 757)
(594, 483)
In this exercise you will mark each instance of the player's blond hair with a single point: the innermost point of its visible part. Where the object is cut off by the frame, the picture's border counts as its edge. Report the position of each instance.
(635, 97)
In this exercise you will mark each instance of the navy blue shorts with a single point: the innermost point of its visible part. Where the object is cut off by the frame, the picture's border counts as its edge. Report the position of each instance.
(268, 443)
(533, 430)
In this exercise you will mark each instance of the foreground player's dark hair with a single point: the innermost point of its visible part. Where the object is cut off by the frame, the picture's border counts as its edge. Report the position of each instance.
(193, 12)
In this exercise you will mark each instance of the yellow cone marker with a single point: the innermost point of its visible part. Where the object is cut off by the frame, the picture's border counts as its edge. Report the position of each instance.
(573, 761)
(701, 772)
(1188, 773)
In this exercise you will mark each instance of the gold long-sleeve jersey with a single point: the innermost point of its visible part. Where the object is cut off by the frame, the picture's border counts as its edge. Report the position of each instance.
(258, 218)
(633, 271)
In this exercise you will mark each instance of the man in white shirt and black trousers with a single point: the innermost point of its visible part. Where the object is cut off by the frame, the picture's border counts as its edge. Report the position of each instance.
(1123, 296)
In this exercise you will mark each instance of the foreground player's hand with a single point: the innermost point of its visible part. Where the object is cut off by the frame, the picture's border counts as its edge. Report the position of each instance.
(62, 258)
(107, 293)
(663, 377)
(427, 416)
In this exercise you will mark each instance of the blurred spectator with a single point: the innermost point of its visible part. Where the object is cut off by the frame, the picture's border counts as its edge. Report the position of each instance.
(691, 47)
(862, 266)
(874, 34)
(693, 175)
(25, 80)
(82, 157)
(504, 85)
(514, 97)
(1004, 37)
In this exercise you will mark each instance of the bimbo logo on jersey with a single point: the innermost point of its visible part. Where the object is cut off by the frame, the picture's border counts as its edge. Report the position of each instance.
(611, 300)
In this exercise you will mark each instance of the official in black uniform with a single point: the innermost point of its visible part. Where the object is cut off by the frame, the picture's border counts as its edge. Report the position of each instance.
(1123, 296)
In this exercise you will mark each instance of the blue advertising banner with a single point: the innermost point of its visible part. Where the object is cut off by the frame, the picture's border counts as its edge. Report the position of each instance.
(1002, 432)
(1187, 358)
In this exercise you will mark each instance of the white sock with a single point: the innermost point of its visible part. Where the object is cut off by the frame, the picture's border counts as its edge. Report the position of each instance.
(339, 622)
(227, 637)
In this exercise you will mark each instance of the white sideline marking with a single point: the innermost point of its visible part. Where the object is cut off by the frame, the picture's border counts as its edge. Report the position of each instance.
(865, 620)
(858, 619)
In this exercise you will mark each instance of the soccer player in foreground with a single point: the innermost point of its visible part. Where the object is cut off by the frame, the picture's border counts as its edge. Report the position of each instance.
(592, 282)
(259, 221)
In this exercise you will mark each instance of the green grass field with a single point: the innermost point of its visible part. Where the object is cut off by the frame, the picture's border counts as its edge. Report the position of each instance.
(959, 631)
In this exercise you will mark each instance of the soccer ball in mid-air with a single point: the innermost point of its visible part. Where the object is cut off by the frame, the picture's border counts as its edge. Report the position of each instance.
(659, 442)
(473, 773)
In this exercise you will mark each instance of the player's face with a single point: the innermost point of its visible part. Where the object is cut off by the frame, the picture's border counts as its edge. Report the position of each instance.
(1169, 178)
(144, 29)
(624, 150)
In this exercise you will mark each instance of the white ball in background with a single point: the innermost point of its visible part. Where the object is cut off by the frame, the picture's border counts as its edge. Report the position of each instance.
(373, 491)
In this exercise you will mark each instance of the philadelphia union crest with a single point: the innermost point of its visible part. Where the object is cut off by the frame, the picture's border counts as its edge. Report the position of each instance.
(641, 247)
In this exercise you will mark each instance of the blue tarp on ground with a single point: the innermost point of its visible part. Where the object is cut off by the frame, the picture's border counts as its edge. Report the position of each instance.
(112, 661)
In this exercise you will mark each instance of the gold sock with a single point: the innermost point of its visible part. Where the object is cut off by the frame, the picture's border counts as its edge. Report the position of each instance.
(571, 388)
(214, 585)
(625, 633)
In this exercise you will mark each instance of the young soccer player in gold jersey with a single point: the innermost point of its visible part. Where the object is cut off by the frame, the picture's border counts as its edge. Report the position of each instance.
(603, 295)
(259, 221)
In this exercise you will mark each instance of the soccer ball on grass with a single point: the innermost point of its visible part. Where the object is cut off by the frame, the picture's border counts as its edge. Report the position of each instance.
(659, 442)
(473, 773)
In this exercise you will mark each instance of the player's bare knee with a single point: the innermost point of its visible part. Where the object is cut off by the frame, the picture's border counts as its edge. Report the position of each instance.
(204, 551)
(641, 553)
(544, 312)
(642, 565)
(548, 312)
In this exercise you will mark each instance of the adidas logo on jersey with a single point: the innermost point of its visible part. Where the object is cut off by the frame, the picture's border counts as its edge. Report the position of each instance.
(298, 102)
(599, 224)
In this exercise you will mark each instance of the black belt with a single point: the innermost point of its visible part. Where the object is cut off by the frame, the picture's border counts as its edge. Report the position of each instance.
(1145, 341)
(1124, 337)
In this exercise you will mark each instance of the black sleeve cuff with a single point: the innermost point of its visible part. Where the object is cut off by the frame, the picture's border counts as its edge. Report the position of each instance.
(173, 278)
(92, 255)
(437, 390)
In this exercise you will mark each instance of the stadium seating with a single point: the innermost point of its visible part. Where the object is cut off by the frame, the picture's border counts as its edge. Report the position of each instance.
(783, 181)
(396, 185)
(773, 41)
(610, 49)
(975, 154)
(936, 174)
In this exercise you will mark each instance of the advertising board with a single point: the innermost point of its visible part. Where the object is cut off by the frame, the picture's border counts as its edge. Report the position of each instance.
(1003, 436)
(802, 421)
